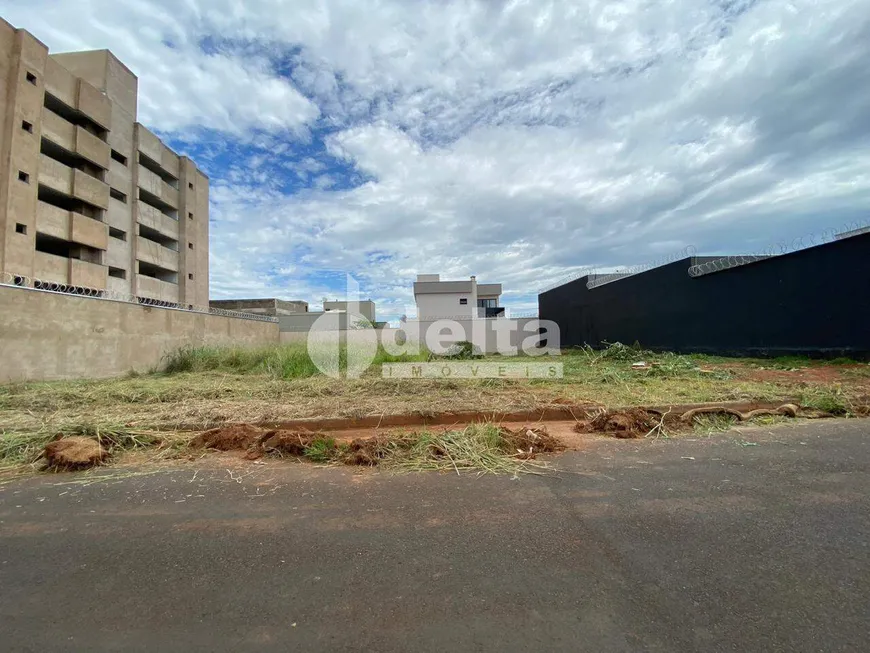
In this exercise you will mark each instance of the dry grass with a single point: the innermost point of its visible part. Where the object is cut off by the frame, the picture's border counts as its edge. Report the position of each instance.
(218, 393)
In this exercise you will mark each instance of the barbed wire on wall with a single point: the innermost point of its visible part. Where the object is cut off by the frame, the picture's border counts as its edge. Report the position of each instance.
(597, 278)
(784, 247)
(602, 279)
(579, 274)
(24, 281)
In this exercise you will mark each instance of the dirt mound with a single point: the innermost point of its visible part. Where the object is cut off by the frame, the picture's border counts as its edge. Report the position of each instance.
(628, 424)
(236, 437)
(74, 453)
(529, 441)
(286, 443)
(366, 452)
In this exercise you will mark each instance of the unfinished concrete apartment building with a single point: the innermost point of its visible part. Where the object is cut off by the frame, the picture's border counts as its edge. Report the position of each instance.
(90, 198)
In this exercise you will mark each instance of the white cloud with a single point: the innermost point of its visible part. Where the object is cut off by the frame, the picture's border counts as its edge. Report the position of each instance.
(181, 86)
(513, 140)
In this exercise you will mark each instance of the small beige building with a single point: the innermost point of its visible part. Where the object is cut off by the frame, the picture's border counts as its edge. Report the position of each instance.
(89, 197)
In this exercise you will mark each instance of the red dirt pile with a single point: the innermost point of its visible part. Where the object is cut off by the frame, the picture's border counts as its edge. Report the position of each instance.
(235, 437)
(366, 452)
(640, 422)
(628, 424)
(74, 453)
(528, 441)
(286, 443)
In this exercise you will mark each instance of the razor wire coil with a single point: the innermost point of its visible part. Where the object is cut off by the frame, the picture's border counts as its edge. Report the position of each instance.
(806, 241)
(24, 281)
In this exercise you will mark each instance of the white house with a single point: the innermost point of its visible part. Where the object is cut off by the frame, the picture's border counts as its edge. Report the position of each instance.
(455, 299)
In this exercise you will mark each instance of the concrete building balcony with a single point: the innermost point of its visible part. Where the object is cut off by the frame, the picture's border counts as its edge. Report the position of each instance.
(156, 155)
(94, 104)
(55, 175)
(90, 189)
(71, 226)
(75, 139)
(48, 267)
(88, 275)
(156, 289)
(68, 271)
(156, 254)
(72, 182)
(157, 220)
(58, 130)
(154, 185)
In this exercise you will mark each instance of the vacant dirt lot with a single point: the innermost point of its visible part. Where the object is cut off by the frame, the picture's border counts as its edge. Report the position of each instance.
(244, 387)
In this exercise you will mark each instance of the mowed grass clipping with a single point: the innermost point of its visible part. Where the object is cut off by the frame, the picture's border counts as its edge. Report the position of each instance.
(203, 387)
(484, 448)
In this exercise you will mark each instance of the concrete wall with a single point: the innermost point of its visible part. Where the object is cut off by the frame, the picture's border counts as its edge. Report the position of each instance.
(366, 308)
(267, 306)
(54, 336)
(481, 332)
(815, 301)
(301, 337)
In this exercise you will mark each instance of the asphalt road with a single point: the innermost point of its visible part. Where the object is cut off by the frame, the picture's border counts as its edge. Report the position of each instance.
(747, 541)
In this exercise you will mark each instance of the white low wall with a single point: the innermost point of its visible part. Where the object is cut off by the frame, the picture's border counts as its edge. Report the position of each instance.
(483, 333)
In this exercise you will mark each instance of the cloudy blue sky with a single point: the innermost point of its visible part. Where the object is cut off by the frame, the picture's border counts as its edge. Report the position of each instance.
(518, 141)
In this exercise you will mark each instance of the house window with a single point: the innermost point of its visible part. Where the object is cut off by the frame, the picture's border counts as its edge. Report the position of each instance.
(118, 195)
(20, 228)
(27, 126)
(117, 233)
(23, 176)
(120, 158)
(487, 303)
(31, 78)
(463, 301)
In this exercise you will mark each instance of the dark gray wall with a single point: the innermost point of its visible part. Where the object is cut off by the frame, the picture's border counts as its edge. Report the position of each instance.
(815, 301)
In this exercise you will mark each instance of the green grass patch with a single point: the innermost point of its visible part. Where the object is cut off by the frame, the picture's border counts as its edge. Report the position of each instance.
(286, 361)
(713, 423)
(828, 399)
(322, 450)
(279, 361)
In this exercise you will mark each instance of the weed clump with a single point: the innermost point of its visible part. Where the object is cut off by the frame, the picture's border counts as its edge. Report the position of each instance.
(460, 351)
(828, 400)
(285, 361)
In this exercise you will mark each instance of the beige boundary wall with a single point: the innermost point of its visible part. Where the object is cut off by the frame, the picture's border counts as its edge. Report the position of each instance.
(46, 335)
